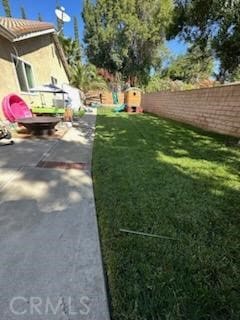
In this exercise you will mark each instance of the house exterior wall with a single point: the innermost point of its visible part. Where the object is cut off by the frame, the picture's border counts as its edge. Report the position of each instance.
(213, 109)
(42, 54)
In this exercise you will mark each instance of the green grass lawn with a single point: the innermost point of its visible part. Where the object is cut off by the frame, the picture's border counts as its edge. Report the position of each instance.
(161, 177)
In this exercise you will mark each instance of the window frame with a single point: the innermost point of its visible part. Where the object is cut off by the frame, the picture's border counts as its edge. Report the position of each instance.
(14, 57)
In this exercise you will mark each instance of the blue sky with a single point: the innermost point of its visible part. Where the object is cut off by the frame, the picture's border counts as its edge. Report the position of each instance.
(46, 8)
(176, 46)
(73, 8)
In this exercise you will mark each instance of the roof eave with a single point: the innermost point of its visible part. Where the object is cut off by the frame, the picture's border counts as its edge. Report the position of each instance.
(12, 37)
(7, 34)
(33, 35)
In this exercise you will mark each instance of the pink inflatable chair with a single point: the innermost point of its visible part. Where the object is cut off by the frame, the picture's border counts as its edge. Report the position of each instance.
(15, 108)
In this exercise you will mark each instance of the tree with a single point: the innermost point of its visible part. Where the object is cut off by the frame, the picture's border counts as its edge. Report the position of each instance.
(157, 83)
(192, 67)
(76, 31)
(40, 17)
(85, 77)
(235, 76)
(76, 35)
(6, 7)
(125, 36)
(71, 50)
(214, 22)
(23, 13)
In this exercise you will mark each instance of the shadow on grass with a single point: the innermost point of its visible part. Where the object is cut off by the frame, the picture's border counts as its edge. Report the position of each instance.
(162, 177)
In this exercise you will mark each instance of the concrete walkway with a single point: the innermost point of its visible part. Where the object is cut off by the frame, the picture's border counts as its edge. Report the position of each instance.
(51, 265)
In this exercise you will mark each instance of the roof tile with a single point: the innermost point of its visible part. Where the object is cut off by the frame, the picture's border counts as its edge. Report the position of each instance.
(22, 27)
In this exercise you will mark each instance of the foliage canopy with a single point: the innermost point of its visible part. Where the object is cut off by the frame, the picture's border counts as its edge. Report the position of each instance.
(125, 36)
(6, 7)
(85, 77)
(213, 22)
(195, 65)
(72, 50)
(23, 13)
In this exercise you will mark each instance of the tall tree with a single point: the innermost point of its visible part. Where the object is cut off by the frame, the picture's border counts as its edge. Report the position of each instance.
(85, 77)
(214, 22)
(71, 50)
(23, 13)
(76, 35)
(6, 7)
(40, 17)
(76, 30)
(125, 36)
(192, 67)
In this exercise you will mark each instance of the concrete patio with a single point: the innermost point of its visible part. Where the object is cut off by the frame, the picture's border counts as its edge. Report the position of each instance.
(51, 266)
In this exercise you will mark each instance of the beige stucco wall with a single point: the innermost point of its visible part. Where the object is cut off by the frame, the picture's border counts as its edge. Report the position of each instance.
(42, 54)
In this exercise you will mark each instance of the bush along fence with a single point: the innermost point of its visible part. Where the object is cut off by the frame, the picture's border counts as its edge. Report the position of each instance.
(213, 109)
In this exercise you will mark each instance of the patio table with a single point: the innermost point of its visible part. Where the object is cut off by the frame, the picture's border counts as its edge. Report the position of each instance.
(40, 125)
